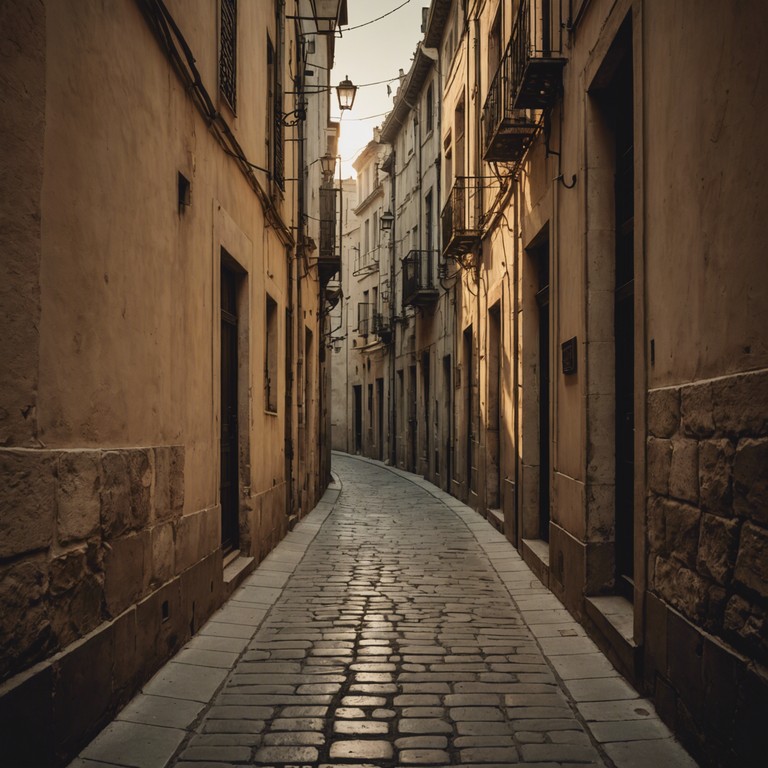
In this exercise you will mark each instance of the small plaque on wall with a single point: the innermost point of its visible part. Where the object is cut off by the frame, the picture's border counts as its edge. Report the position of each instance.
(569, 356)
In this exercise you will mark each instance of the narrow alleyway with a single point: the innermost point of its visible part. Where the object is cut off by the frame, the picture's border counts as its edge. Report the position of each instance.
(394, 626)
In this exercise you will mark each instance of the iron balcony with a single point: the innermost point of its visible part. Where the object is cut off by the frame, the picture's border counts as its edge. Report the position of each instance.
(419, 287)
(461, 216)
(529, 78)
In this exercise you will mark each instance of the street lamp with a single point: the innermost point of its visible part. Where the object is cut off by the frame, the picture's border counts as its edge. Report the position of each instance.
(328, 165)
(386, 220)
(346, 91)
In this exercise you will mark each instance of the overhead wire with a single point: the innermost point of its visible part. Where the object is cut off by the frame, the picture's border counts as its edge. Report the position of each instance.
(379, 18)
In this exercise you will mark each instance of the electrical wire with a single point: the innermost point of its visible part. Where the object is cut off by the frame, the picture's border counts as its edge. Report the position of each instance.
(373, 21)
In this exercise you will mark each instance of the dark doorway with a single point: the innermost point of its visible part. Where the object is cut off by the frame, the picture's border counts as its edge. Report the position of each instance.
(540, 256)
(493, 427)
(469, 414)
(426, 395)
(380, 419)
(229, 484)
(448, 422)
(358, 418)
(621, 99)
(412, 419)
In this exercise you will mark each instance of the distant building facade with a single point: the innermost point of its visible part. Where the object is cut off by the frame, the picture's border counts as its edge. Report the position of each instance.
(161, 417)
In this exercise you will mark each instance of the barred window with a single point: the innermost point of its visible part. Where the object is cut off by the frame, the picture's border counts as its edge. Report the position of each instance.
(228, 52)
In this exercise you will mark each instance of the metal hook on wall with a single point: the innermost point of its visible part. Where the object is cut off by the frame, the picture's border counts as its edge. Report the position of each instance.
(561, 179)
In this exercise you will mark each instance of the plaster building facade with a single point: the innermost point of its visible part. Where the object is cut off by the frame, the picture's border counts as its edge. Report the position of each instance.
(161, 419)
(423, 319)
(612, 322)
(362, 356)
(341, 317)
(588, 368)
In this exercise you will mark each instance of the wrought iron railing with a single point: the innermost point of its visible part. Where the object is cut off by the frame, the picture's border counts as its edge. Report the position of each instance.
(536, 35)
(381, 325)
(418, 275)
(498, 112)
(461, 213)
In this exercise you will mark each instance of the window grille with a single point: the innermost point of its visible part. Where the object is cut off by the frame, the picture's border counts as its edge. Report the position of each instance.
(228, 52)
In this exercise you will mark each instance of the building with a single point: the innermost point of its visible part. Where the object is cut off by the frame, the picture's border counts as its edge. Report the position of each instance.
(161, 421)
(363, 357)
(341, 319)
(423, 320)
(588, 366)
(618, 427)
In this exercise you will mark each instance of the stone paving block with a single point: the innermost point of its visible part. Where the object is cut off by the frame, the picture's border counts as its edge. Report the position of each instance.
(424, 725)
(501, 755)
(632, 730)
(558, 753)
(649, 754)
(225, 740)
(219, 629)
(220, 753)
(155, 710)
(601, 689)
(233, 726)
(581, 666)
(422, 742)
(280, 755)
(486, 740)
(206, 658)
(361, 750)
(294, 739)
(212, 643)
(423, 757)
(635, 709)
(133, 744)
(185, 681)
(361, 727)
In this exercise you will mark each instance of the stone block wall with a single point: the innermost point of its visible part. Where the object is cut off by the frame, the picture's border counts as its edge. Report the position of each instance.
(707, 511)
(707, 543)
(103, 578)
(83, 535)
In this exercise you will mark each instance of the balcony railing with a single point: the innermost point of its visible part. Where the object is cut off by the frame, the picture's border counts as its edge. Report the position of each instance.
(529, 77)
(461, 216)
(507, 132)
(382, 327)
(419, 288)
(366, 263)
(535, 52)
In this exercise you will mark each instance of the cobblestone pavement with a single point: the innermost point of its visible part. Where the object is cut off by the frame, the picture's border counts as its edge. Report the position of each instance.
(394, 627)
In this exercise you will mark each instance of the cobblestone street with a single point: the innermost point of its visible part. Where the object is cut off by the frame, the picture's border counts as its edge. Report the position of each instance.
(394, 626)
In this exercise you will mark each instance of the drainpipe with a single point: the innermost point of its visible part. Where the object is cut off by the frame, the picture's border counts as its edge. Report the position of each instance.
(392, 306)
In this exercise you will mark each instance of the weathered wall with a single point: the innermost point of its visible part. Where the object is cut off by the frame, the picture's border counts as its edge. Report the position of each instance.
(22, 124)
(109, 509)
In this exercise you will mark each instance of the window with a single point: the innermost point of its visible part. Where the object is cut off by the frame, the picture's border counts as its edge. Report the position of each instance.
(270, 357)
(494, 45)
(362, 316)
(367, 237)
(228, 52)
(429, 109)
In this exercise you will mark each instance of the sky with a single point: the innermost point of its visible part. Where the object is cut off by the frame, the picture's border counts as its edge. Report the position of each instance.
(367, 55)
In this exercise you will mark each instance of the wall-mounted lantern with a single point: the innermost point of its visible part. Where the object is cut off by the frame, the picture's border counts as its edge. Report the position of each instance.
(386, 220)
(346, 91)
